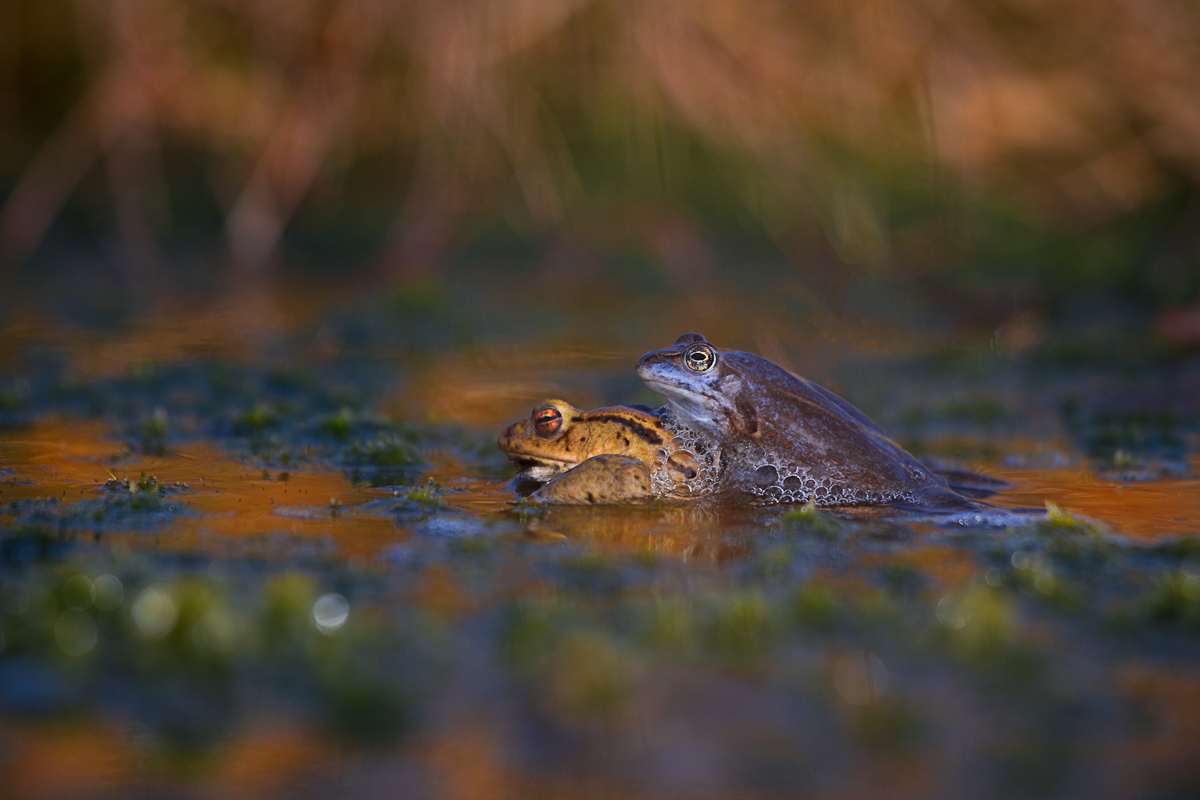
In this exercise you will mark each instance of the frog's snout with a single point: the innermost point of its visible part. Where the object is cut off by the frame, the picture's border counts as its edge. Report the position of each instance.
(646, 365)
(508, 435)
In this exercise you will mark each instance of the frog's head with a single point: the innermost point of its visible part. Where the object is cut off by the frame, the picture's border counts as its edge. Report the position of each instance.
(704, 384)
(539, 445)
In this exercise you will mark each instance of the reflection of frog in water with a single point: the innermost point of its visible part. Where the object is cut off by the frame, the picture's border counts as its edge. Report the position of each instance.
(629, 454)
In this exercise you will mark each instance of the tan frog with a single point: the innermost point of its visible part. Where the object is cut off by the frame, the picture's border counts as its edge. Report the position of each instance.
(598, 456)
(614, 454)
(557, 436)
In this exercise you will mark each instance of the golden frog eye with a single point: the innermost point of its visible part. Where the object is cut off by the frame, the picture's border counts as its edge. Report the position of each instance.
(700, 358)
(547, 420)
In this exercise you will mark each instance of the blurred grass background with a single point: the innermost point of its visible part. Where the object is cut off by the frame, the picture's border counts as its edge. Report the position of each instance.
(1006, 167)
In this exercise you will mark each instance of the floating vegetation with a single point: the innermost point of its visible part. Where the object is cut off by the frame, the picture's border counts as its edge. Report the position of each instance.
(811, 521)
(142, 505)
(256, 421)
(388, 451)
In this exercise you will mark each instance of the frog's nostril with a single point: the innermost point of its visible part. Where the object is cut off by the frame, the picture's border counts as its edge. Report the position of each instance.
(507, 435)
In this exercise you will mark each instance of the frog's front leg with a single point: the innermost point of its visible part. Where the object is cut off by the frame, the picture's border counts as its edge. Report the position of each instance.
(600, 480)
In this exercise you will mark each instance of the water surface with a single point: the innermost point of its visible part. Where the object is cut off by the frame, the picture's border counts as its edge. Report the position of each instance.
(235, 579)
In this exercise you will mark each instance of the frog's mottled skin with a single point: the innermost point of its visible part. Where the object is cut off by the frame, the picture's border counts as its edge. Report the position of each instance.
(633, 431)
(617, 438)
(766, 435)
(600, 480)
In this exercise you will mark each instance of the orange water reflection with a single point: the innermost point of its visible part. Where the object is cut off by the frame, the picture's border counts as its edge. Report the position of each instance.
(1141, 510)
(238, 505)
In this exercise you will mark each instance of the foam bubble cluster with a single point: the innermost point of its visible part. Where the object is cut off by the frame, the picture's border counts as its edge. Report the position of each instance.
(691, 468)
(794, 483)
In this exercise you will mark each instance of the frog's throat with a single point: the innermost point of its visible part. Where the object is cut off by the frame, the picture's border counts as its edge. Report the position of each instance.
(538, 468)
(544, 474)
(524, 460)
(695, 407)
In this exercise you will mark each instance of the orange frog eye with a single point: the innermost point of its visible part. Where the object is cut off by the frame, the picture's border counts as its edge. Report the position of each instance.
(547, 420)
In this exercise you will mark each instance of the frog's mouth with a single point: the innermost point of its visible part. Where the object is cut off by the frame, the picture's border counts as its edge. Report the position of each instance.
(539, 468)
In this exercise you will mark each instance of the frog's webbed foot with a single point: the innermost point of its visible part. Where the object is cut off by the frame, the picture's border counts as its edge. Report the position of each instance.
(971, 484)
(600, 480)
(939, 501)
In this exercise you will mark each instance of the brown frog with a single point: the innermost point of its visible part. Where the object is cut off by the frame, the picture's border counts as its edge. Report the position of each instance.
(763, 434)
(606, 456)
(598, 456)
(557, 436)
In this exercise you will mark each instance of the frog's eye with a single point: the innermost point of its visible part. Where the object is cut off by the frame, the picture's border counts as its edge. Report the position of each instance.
(700, 358)
(547, 420)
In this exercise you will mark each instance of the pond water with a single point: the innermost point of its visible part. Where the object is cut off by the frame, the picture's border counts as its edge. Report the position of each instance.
(228, 575)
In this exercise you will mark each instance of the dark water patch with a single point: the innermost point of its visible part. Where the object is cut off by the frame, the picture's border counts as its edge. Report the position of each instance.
(1131, 444)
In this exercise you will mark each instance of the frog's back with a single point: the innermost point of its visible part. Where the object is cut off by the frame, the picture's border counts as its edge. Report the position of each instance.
(801, 443)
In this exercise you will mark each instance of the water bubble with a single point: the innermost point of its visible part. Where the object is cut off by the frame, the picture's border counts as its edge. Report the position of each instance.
(860, 677)
(330, 612)
(75, 632)
(949, 613)
(14, 599)
(155, 611)
(109, 592)
(1020, 559)
(79, 593)
(766, 475)
(993, 577)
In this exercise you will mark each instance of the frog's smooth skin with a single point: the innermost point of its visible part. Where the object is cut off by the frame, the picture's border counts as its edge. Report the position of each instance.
(779, 437)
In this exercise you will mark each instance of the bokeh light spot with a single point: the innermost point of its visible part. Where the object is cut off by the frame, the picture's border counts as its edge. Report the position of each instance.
(79, 593)
(109, 592)
(950, 614)
(860, 678)
(218, 631)
(75, 632)
(155, 611)
(330, 612)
